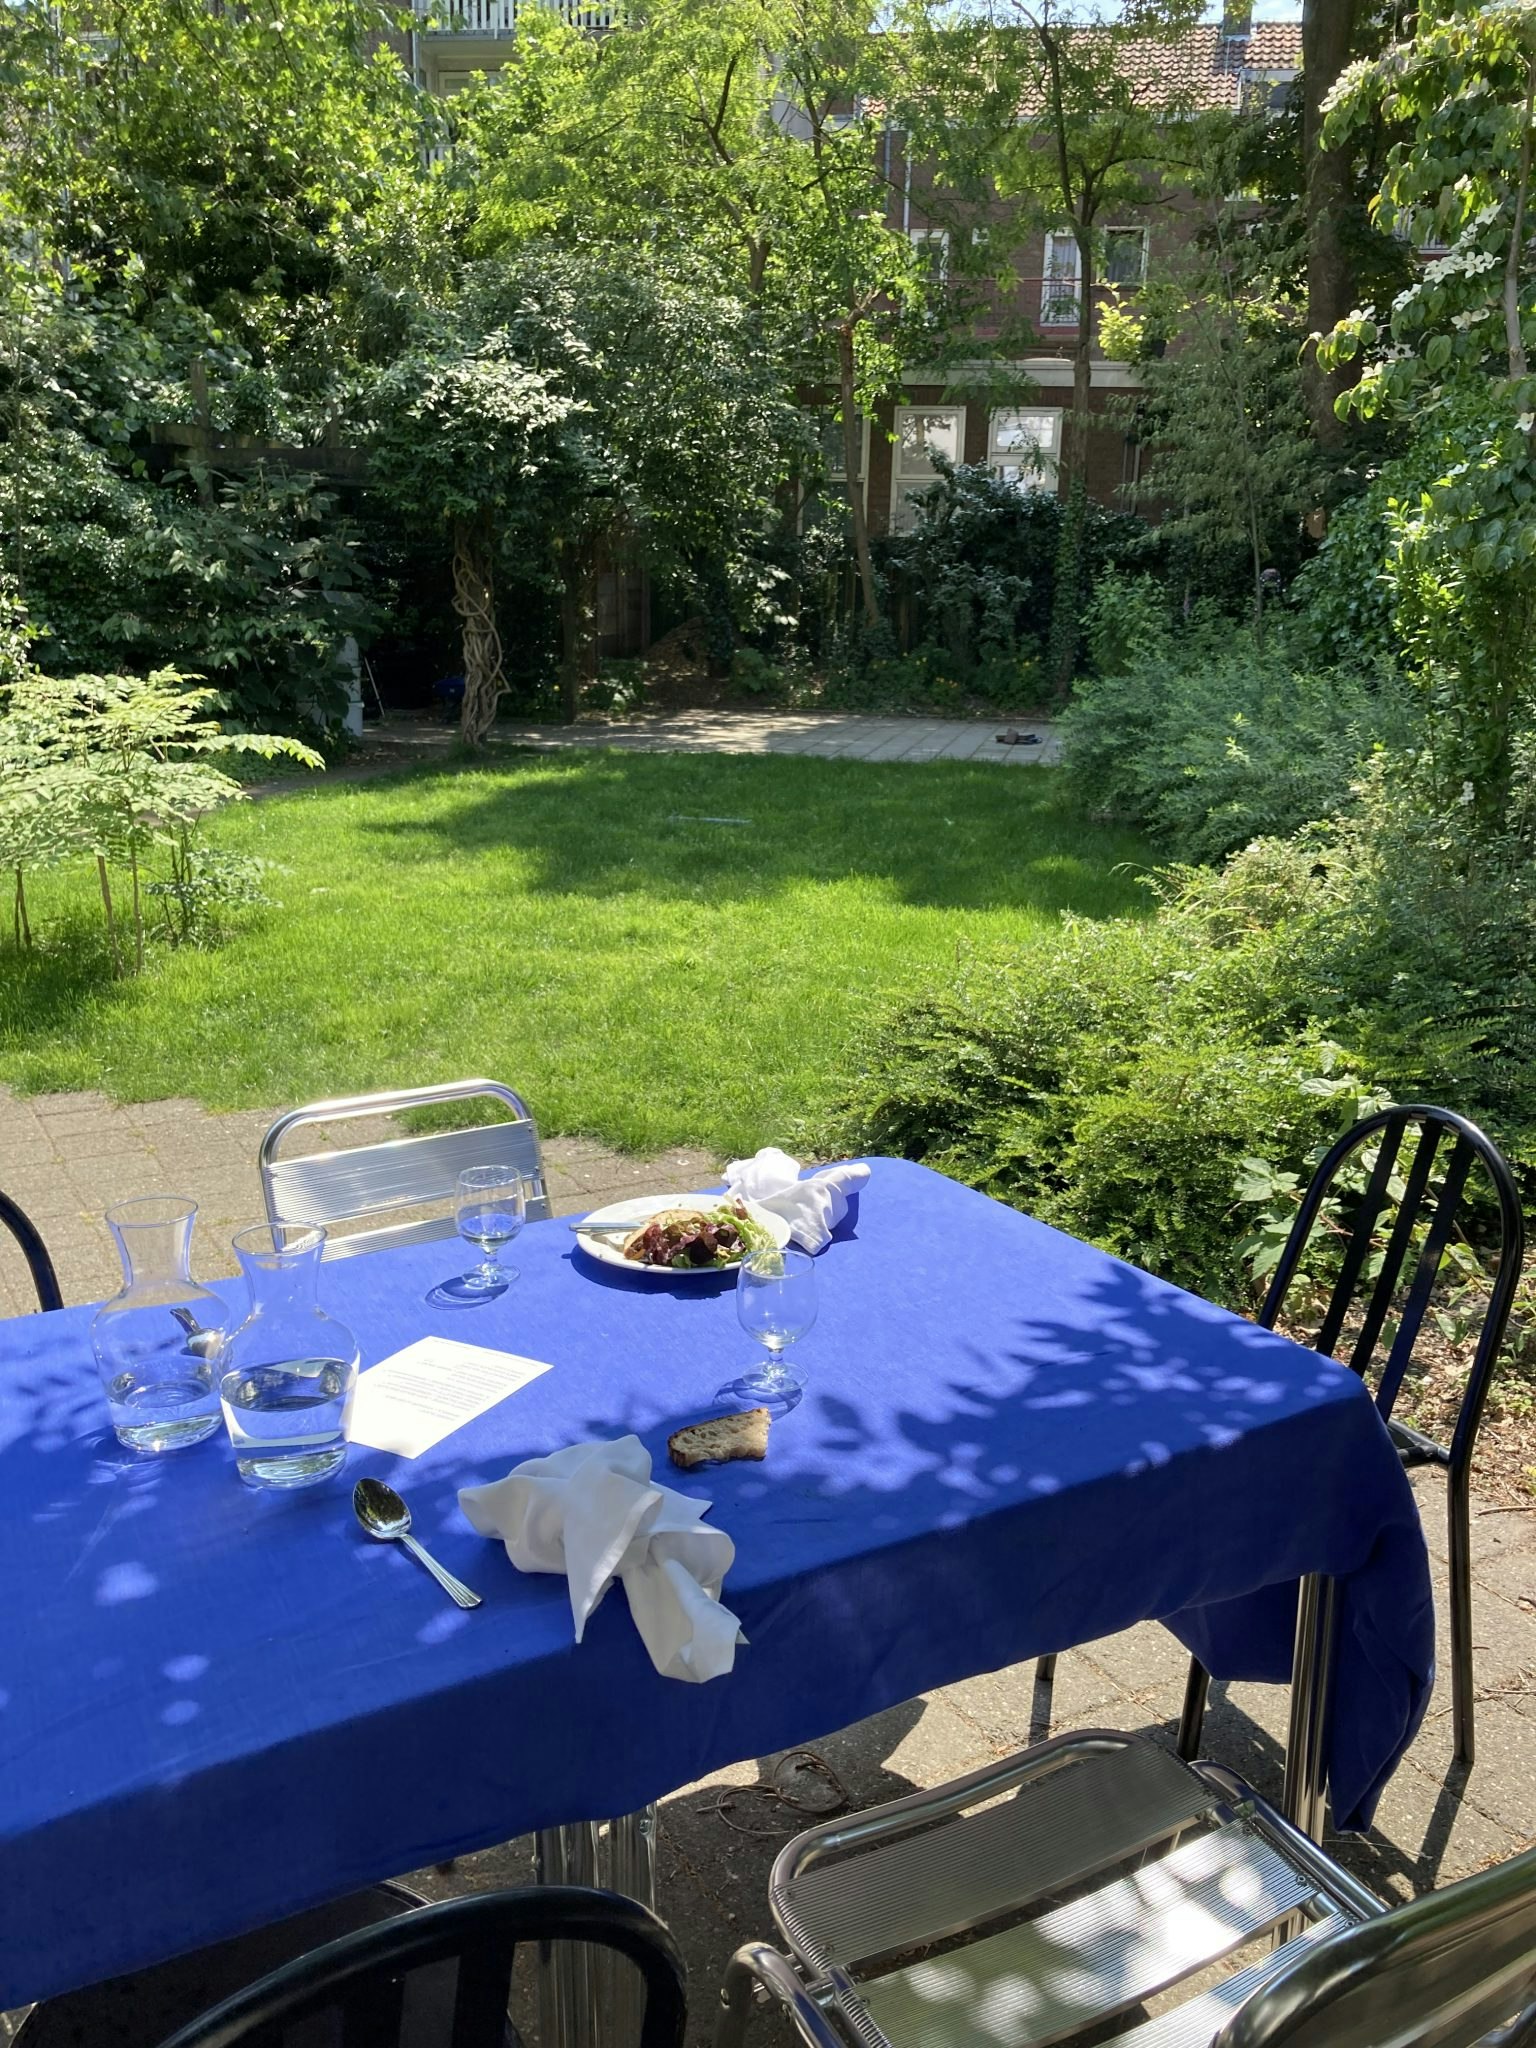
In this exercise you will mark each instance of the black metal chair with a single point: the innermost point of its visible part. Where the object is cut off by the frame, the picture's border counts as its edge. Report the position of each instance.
(21, 1227)
(362, 1980)
(1426, 1213)
(140, 2008)
(1426, 1217)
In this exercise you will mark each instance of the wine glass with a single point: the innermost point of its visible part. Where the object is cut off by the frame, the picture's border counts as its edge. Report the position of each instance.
(776, 1304)
(490, 1207)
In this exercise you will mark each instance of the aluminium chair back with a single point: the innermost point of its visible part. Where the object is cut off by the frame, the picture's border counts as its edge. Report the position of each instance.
(1425, 1218)
(45, 1282)
(340, 1186)
(1451, 1969)
(362, 1981)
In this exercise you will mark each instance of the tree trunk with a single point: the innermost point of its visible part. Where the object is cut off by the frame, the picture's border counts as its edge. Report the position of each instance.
(19, 911)
(1327, 29)
(106, 904)
(1067, 596)
(578, 626)
(854, 481)
(474, 599)
(138, 913)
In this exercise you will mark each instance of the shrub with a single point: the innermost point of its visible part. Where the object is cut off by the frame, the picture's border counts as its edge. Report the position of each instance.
(1342, 600)
(1148, 1087)
(254, 583)
(1208, 737)
(1412, 942)
(1099, 1085)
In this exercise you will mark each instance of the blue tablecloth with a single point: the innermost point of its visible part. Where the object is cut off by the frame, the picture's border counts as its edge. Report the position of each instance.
(219, 1706)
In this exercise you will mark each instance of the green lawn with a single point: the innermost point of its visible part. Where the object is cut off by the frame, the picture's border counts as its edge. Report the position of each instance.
(576, 925)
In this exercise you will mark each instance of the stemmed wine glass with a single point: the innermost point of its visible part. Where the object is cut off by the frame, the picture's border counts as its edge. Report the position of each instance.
(776, 1304)
(490, 1207)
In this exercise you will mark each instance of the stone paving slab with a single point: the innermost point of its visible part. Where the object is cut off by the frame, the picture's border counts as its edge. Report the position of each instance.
(66, 1156)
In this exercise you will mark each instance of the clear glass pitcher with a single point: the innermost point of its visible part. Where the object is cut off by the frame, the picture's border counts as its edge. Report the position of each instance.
(154, 1340)
(288, 1372)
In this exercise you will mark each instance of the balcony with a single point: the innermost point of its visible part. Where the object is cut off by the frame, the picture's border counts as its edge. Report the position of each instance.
(493, 18)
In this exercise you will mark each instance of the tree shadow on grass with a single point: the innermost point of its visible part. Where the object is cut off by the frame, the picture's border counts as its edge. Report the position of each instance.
(728, 829)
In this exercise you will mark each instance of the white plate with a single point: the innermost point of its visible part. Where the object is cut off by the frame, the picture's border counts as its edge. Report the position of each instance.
(609, 1251)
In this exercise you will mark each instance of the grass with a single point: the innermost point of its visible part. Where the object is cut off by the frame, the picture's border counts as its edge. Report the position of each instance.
(582, 925)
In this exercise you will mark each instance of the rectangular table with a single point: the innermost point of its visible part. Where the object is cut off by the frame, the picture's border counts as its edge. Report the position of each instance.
(218, 1706)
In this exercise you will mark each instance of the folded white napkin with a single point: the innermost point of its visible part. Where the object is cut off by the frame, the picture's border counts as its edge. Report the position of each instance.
(812, 1208)
(593, 1512)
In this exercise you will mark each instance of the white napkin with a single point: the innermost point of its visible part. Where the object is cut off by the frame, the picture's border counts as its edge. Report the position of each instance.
(812, 1208)
(593, 1512)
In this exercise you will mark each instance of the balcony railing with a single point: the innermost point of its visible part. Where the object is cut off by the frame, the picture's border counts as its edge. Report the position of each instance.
(499, 17)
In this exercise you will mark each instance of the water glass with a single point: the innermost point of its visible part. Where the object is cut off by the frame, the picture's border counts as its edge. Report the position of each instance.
(776, 1304)
(287, 1374)
(490, 1207)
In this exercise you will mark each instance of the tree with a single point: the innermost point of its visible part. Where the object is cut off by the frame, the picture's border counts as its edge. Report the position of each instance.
(1220, 412)
(679, 434)
(177, 270)
(473, 442)
(1327, 37)
(1074, 109)
(113, 768)
(1453, 353)
(750, 139)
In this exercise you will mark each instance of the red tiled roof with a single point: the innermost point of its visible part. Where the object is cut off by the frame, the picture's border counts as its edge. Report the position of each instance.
(1212, 70)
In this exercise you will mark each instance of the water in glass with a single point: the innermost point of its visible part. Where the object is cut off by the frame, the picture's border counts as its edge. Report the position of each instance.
(287, 1374)
(155, 1338)
(288, 1422)
(490, 1206)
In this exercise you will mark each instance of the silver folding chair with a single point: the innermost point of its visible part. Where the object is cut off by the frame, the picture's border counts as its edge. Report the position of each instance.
(341, 1185)
(1036, 1899)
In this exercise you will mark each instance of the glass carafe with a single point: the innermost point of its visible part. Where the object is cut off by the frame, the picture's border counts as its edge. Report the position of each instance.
(288, 1372)
(155, 1338)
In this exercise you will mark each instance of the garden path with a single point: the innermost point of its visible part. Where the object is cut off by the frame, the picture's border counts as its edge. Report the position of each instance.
(65, 1156)
(398, 742)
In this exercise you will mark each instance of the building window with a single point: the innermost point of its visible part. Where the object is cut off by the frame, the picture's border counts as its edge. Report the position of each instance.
(1125, 256)
(829, 430)
(932, 245)
(824, 492)
(922, 432)
(1024, 448)
(1060, 287)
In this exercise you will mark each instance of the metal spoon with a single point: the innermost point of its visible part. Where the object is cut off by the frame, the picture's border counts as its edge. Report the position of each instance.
(384, 1514)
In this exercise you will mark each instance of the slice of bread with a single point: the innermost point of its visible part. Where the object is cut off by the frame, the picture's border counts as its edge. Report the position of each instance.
(720, 1439)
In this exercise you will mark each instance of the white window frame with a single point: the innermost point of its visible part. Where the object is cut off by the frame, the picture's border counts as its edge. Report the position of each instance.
(906, 480)
(1127, 229)
(1005, 424)
(919, 237)
(1063, 265)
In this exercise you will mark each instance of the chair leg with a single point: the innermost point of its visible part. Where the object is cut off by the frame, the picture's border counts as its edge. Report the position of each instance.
(1462, 1681)
(1040, 1703)
(737, 1995)
(1196, 1691)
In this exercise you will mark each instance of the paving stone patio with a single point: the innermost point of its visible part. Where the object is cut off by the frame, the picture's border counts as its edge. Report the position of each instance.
(831, 735)
(66, 1156)
(399, 742)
